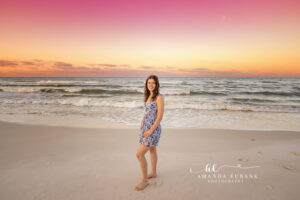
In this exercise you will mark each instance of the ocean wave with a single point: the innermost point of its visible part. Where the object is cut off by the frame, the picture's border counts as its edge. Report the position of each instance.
(69, 81)
(251, 100)
(270, 87)
(269, 81)
(75, 102)
(87, 95)
(92, 91)
(295, 100)
(182, 83)
(52, 90)
(107, 104)
(269, 93)
(99, 91)
(188, 92)
(207, 93)
(70, 90)
(296, 88)
(59, 85)
(209, 107)
(232, 107)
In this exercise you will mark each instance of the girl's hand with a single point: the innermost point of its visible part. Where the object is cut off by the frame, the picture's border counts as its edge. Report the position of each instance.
(147, 133)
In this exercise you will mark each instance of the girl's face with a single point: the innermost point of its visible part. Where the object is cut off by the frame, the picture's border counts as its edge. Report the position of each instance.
(151, 84)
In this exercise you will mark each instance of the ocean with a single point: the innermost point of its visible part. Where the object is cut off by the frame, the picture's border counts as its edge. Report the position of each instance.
(219, 103)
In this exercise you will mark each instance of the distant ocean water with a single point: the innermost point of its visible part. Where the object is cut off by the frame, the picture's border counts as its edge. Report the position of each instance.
(223, 103)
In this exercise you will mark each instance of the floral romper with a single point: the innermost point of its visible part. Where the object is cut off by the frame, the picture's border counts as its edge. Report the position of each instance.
(150, 115)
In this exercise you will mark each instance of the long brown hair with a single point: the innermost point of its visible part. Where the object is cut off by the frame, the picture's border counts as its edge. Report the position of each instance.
(155, 91)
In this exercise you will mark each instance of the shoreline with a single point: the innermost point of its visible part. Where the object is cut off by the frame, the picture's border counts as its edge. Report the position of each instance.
(126, 126)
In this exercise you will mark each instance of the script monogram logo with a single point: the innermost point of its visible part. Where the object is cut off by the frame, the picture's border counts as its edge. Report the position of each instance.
(212, 168)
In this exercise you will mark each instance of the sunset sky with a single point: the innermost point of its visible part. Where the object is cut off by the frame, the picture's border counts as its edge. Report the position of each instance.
(242, 38)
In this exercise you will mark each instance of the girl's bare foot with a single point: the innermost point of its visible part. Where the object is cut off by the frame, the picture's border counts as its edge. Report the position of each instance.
(141, 185)
(151, 175)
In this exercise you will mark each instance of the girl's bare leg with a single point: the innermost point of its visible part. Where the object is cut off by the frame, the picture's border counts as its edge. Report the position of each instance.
(143, 164)
(153, 156)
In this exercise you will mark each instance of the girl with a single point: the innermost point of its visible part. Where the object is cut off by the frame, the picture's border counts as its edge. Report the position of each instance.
(150, 129)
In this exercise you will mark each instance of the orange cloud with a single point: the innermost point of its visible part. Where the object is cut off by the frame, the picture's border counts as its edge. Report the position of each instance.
(41, 68)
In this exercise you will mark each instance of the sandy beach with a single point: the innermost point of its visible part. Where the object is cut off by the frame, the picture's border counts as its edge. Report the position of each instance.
(49, 162)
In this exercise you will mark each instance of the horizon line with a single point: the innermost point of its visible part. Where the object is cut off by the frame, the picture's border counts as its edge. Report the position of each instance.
(137, 77)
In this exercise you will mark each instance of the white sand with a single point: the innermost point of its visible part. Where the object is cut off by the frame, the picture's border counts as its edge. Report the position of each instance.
(44, 162)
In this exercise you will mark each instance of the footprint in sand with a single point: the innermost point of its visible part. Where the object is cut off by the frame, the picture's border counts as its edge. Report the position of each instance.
(156, 181)
(269, 187)
(295, 153)
(284, 166)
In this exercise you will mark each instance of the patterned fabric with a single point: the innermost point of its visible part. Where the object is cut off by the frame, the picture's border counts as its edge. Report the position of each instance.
(150, 115)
